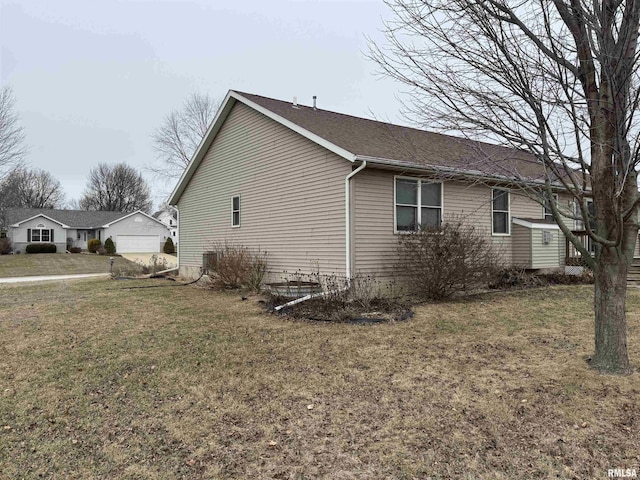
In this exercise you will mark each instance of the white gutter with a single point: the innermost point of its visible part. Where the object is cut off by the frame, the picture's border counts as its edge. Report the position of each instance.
(456, 172)
(347, 216)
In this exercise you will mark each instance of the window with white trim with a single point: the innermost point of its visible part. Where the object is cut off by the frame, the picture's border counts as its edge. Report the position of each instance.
(39, 234)
(418, 204)
(235, 211)
(546, 208)
(500, 211)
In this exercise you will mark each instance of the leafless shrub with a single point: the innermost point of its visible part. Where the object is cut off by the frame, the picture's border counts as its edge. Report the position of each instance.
(156, 264)
(361, 300)
(437, 262)
(515, 277)
(5, 246)
(236, 266)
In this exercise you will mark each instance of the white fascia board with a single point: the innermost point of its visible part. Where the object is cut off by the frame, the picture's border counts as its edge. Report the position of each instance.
(229, 101)
(129, 215)
(15, 225)
(543, 226)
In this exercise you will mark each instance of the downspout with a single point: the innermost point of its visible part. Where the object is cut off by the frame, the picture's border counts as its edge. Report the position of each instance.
(347, 197)
(178, 231)
(347, 216)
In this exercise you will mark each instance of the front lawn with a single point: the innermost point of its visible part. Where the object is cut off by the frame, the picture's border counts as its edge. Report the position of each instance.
(24, 265)
(97, 381)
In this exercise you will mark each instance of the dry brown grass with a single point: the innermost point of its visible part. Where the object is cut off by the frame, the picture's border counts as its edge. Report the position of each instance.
(58, 264)
(98, 382)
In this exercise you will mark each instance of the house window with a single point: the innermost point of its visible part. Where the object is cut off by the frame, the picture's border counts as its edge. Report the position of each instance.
(39, 234)
(579, 221)
(418, 203)
(546, 208)
(500, 211)
(235, 211)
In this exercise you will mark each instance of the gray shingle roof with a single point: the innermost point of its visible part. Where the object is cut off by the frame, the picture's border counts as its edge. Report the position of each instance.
(72, 218)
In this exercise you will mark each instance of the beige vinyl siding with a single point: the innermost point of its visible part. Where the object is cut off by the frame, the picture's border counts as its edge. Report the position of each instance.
(521, 246)
(545, 255)
(291, 198)
(373, 206)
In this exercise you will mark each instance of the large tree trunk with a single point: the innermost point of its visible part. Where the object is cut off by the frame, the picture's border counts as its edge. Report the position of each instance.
(610, 317)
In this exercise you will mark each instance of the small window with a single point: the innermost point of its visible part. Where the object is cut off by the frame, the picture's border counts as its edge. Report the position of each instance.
(579, 221)
(35, 235)
(500, 211)
(44, 236)
(235, 211)
(546, 208)
(418, 203)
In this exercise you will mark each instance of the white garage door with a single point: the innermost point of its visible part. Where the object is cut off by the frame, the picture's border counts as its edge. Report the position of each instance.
(137, 243)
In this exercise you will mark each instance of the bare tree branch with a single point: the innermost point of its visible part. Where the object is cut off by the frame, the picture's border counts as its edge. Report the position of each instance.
(12, 139)
(115, 188)
(177, 138)
(555, 78)
(26, 188)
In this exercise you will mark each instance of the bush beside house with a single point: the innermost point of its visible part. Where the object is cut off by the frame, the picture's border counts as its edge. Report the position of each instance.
(5, 246)
(41, 248)
(93, 245)
(169, 247)
(110, 246)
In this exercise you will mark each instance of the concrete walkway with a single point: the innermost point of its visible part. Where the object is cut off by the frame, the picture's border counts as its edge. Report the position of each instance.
(47, 278)
(145, 258)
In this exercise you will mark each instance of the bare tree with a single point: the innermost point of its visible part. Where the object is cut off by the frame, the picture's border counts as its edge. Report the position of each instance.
(30, 189)
(115, 188)
(177, 138)
(555, 78)
(12, 146)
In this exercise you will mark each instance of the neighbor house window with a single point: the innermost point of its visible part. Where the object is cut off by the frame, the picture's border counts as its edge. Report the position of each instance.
(500, 211)
(546, 208)
(418, 203)
(39, 234)
(235, 211)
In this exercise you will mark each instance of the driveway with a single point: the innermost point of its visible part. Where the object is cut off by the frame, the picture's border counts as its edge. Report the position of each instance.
(145, 258)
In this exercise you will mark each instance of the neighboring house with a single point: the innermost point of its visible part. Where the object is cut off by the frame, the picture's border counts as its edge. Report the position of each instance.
(134, 232)
(329, 193)
(170, 219)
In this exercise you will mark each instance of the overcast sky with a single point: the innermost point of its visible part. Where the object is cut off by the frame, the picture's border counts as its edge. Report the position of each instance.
(93, 78)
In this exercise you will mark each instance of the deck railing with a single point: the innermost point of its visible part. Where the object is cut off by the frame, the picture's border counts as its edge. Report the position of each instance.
(572, 255)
